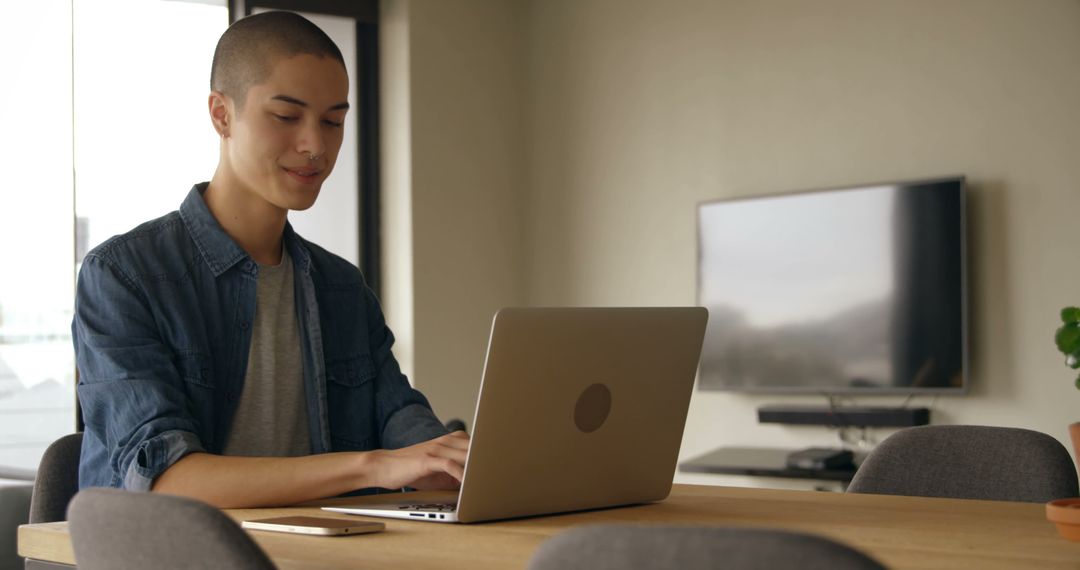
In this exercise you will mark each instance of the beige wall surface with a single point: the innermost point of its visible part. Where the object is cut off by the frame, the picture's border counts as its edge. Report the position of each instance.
(642, 109)
(559, 150)
(455, 84)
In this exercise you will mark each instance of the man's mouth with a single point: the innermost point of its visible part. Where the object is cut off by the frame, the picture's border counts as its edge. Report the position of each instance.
(303, 174)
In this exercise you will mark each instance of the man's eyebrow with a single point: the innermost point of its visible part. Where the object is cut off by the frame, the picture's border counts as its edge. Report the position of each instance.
(298, 102)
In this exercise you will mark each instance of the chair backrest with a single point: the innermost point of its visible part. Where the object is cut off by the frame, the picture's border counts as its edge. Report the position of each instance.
(14, 506)
(117, 530)
(969, 462)
(57, 479)
(605, 547)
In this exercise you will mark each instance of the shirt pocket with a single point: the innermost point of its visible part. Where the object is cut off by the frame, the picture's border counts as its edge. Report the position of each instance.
(350, 395)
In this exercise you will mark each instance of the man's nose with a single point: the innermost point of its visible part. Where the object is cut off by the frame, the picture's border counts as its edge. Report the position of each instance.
(311, 142)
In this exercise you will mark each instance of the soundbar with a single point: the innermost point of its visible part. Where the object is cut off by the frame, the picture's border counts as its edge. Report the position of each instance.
(844, 416)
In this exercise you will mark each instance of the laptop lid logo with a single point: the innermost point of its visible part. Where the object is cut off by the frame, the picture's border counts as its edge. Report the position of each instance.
(593, 407)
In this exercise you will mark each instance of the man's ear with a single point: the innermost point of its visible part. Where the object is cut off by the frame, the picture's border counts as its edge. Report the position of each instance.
(220, 112)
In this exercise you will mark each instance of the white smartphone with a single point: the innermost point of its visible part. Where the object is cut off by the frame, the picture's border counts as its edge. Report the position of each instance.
(321, 526)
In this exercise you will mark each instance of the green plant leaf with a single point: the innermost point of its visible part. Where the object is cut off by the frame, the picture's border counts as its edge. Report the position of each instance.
(1068, 338)
(1078, 382)
(1070, 315)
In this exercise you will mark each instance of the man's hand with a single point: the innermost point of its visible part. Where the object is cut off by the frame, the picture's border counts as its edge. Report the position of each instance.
(435, 464)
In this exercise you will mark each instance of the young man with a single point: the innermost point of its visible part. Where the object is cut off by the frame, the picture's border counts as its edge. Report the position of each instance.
(222, 356)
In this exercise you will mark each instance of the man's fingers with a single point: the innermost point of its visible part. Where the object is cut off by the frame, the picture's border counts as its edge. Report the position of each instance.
(452, 453)
(436, 465)
(457, 440)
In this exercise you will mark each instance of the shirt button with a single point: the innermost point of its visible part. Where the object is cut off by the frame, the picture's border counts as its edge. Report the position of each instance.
(244, 325)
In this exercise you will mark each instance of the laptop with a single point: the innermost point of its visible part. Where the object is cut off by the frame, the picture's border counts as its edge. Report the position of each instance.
(579, 408)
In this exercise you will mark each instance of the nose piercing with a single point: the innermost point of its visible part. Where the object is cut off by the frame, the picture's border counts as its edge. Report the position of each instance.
(313, 157)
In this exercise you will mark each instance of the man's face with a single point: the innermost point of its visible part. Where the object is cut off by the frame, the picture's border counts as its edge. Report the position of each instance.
(285, 140)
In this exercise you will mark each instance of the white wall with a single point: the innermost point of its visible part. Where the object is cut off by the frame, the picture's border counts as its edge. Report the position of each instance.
(334, 221)
(559, 149)
(642, 109)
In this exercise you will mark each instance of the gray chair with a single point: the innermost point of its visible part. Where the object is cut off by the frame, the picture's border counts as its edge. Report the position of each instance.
(969, 462)
(116, 530)
(57, 479)
(610, 547)
(14, 507)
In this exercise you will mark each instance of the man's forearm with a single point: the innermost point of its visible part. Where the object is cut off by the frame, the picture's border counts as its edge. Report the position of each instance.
(248, 482)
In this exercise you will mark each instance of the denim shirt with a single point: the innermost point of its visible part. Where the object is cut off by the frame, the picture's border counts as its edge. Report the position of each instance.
(162, 329)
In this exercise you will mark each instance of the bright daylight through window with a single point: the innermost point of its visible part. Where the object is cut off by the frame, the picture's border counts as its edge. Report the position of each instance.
(104, 121)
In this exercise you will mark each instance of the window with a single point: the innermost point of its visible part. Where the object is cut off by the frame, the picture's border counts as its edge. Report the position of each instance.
(105, 127)
(36, 231)
(104, 114)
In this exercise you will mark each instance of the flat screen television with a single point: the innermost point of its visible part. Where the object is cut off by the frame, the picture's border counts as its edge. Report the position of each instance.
(858, 290)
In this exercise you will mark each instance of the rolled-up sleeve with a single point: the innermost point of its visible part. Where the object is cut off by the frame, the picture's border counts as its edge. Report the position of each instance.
(155, 455)
(130, 390)
(410, 425)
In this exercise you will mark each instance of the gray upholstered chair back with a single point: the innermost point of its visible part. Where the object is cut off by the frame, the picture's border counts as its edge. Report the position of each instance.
(14, 507)
(610, 547)
(969, 462)
(57, 479)
(116, 530)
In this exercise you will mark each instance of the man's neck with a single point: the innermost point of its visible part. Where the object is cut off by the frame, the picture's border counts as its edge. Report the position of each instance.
(256, 225)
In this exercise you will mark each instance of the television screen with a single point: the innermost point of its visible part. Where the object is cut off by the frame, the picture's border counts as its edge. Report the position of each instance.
(851, 290)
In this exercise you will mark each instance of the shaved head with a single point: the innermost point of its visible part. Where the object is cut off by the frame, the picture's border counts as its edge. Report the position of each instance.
(248, 50)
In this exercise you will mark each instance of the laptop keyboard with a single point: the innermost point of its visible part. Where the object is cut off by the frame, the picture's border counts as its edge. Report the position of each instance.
(440, 507)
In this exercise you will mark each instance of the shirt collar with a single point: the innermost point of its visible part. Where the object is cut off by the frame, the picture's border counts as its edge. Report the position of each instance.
(218, 249)
(297, 250)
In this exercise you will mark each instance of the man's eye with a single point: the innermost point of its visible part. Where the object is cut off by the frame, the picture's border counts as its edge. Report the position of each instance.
(334, 124)
(285, 118)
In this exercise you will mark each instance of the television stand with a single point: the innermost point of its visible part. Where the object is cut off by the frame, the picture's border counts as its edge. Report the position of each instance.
(844, 416)
(762, 462)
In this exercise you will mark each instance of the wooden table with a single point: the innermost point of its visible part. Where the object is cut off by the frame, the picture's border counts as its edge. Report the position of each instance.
(901, 532)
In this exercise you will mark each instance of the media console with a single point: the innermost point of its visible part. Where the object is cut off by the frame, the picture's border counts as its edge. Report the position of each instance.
(814, 463)
(762, 462)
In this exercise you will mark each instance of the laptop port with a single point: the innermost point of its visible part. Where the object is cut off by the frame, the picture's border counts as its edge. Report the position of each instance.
(421, 515)
(431, 516)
